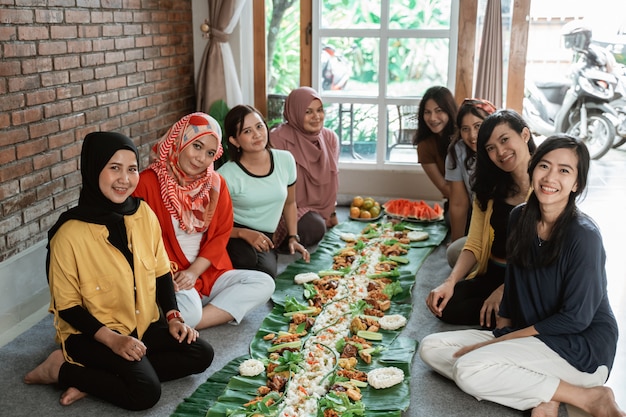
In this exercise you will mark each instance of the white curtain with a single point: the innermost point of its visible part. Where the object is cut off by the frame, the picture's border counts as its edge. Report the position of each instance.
(489, 74)
(217, 77)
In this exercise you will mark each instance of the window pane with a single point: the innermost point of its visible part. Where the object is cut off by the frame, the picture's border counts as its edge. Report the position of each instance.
(415, 64)
(283, 47)
(354, 14)
(419, 14)
(357, 128)
(401, 128)
(350, 64)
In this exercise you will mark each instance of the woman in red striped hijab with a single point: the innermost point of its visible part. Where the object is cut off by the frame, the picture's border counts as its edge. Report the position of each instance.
(195, 211)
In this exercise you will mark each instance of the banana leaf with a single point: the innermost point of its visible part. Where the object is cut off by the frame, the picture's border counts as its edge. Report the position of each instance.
(275, 322)
(227, 390)
(322, 259)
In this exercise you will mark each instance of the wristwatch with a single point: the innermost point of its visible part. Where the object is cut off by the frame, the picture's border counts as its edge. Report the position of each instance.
(297, 237)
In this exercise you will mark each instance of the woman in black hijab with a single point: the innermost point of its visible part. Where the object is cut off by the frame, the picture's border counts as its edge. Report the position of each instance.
(111, 290)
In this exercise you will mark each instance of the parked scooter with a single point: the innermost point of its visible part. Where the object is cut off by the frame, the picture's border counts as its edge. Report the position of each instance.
(603, 59)
(619, 104)
(577, 106)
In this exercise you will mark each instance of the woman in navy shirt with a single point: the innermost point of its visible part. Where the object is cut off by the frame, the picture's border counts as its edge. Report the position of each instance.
(556, 335)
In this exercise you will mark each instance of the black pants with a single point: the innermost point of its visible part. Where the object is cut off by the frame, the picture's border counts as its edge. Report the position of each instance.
(470, 294)
(244, 256)
(311, 228)
(133, 385)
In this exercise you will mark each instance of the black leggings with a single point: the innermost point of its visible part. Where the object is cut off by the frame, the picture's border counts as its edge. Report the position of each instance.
(470, 294)
(311, 228)
(244, 256)
(133, 385)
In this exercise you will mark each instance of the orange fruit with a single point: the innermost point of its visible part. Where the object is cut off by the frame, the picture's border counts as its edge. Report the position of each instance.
(368, 203)
(365, 214)
(355, 212)
(375, 211)
(357, 201)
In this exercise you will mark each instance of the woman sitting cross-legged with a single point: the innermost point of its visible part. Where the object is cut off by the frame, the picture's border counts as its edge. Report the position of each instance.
(316, 151)
(556, 335)
(262, 185)
(194, 208)
(110, 280)
(472, 292)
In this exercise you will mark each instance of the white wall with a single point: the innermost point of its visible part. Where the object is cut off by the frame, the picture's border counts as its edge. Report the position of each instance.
(23, 286)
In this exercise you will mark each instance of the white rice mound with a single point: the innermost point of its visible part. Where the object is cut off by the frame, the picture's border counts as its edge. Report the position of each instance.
(305, 277)
(347, 237)
(416, 236)
(385, 377)
(251, 367)
(392, 321)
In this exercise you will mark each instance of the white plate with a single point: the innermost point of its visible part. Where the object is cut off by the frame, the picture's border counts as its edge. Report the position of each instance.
(413, 219)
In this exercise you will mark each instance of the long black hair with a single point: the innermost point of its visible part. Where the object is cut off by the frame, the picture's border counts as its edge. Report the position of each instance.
(233, 125)
(523, 233)
(445, 100)
(489, 181)
(479, 108)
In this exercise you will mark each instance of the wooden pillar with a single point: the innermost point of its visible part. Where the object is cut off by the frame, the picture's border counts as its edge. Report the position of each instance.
(517, 55)
(306, 43)
(260, 59)
(465, 56)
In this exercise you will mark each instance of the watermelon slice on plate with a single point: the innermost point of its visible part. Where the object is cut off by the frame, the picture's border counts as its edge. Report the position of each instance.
(413, 210)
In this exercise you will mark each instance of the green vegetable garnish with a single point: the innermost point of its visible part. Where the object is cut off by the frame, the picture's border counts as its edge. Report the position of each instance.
(386, 274)
(392, 289)
(291, 304)
(341, 404)
(289, 345)
(309, 290)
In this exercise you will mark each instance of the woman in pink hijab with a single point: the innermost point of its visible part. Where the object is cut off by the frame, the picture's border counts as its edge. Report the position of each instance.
(316, 151)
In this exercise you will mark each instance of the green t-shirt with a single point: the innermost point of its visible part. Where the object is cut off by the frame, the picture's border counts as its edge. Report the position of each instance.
(258, 201)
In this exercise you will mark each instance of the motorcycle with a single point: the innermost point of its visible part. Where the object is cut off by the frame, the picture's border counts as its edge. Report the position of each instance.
(619, 104)
(602, 59)
(578, 106)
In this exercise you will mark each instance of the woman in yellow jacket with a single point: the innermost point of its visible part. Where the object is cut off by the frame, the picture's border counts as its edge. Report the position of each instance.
(112, 293)
(472, 292)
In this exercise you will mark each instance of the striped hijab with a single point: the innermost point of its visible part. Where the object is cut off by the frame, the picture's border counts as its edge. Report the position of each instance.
(187, 198)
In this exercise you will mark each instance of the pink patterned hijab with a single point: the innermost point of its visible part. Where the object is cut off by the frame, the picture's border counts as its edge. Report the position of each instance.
(317, 154)
(187, 198)
(309, 149)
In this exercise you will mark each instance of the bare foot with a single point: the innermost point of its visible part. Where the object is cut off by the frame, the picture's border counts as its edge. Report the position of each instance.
(602, 403)
(549, 409)
(48, 371)
(71, 395)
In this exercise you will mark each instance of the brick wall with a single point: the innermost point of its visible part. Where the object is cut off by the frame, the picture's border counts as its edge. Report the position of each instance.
(70, 67)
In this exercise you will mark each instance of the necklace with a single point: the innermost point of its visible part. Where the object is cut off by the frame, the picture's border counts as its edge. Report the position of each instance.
(540, 241)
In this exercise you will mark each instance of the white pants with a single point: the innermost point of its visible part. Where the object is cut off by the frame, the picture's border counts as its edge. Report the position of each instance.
(236, 291)
(519, 373)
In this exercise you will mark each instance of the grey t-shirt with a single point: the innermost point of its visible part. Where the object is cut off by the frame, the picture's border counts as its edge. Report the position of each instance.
(460, 173)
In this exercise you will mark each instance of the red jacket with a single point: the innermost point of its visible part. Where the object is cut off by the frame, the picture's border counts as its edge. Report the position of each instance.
(214, 240)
